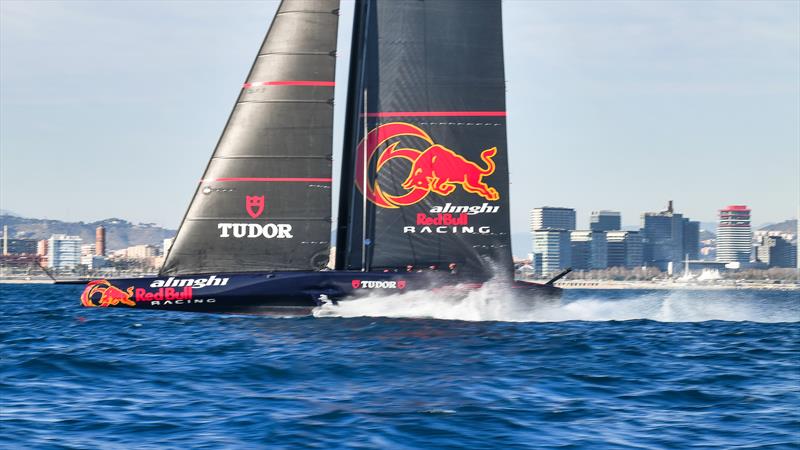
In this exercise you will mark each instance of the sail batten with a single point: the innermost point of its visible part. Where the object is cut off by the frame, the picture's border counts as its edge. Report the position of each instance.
(263, 203)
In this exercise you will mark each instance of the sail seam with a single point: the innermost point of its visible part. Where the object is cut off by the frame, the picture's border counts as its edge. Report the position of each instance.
(289, 83)
(273, 217)
(270, 156)
(297, 53)
(437, 114)
(284, 101)
(280, 13)
(268, 179)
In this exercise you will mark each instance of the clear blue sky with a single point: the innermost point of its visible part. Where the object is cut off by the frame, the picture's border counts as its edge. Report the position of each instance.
(113, 108)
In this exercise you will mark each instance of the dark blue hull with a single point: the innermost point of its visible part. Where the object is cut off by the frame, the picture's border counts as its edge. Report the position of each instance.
(290, 293)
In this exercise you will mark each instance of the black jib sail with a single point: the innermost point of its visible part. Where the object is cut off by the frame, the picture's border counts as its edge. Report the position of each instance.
(264, 200)
(427, 88)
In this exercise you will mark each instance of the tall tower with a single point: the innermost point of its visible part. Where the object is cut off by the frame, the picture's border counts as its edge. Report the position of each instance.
(5, 239)
(605, 221)
(734, 235)
(100, 241)
(549, 217)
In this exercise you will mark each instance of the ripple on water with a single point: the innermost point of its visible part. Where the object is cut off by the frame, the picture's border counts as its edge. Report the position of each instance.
(601, 369)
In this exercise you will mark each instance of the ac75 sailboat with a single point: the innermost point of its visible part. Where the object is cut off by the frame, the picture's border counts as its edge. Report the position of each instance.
(424, 169)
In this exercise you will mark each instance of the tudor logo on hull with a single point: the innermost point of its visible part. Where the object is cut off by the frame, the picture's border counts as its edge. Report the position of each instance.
(378, 284)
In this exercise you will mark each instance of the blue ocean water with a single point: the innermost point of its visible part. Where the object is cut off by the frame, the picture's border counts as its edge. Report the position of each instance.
(601, 369)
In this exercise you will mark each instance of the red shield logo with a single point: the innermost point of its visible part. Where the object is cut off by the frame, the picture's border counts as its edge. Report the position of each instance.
(401, 284)
(254, 205)
(356, 284)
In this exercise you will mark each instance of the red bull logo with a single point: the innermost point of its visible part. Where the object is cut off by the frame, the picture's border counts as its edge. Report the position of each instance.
(102, 293)
(435, 169)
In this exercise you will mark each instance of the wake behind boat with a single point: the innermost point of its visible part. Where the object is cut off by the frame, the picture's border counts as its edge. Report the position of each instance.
(424, 168)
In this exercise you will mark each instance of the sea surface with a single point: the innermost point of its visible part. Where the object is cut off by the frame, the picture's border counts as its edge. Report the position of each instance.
(601, 369)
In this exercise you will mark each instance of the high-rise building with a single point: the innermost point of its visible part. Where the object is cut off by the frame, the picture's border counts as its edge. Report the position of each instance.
(605, 221)
(734, 235)
(100, 241)
(64, 252)
(663, 238)
(551, 245)
(691, 239)
(775, 251)
(167, 244)
(41, 247)
(589, 250)
(624, 249)
(551, 251)
(141, 251)
(552, 218)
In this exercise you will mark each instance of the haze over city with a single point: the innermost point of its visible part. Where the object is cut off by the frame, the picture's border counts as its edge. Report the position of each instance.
(112, 109)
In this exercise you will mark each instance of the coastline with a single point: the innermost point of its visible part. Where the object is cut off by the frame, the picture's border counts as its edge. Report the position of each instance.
(680, 286)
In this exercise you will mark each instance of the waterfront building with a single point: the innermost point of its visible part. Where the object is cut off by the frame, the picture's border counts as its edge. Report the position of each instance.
(64, 252)
(552, 218)
(93, 262)
(167, 244)
(100, 241)
(551, 251)
(589, 250)
(624, 249)
(774, 251)
(41, 247)
(691, 239)
(605, 221)
(663, 238)
(141, 251)
(734, 235)
(87, 249)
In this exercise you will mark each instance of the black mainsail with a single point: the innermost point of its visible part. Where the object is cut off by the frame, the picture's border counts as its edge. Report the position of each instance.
(427, 87)
(264, 202)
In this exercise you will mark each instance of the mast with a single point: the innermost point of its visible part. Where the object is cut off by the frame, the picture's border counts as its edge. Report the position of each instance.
(344, 232)
(364, 182)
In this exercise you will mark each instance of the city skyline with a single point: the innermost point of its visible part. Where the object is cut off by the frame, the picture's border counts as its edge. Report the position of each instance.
(641, 103)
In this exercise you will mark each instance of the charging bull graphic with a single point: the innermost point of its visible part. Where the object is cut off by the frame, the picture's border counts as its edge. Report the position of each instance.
(109, 295)
(436, 169)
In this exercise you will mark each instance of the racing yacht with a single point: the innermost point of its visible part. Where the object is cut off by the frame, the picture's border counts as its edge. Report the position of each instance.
(424, 188)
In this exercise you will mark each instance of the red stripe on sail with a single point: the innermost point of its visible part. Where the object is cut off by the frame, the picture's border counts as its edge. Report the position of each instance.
(438, 114)
(271, 180)
(289, 83)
